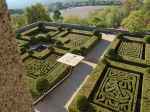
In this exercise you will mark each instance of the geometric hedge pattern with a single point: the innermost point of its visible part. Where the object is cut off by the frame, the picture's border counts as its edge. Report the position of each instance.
(131, 49)
(118, 90)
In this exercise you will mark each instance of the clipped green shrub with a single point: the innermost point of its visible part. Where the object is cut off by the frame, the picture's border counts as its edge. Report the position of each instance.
(96, 33)
(147, 39)
(30, 52)
(119, 35)
(23, 50)
(83, 50)
(111, 53)
(41, 27)
(60, 28)
(42, 85)
(82, 104)
(58, 43)
(18, 35)
(76, 51)
(34, 93)
(147, 70)
(50, 47)
(69, 30)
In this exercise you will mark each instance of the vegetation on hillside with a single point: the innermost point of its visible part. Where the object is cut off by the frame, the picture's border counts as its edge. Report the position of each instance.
(131, 15)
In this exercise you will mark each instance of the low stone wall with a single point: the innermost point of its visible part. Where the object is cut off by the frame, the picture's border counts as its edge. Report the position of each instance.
(83, 27)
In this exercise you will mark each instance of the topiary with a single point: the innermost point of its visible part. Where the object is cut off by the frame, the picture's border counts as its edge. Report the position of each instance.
(119, 35)
(111, 53)
(147, 39)
(82, 103)
(104, 61)
(41, 27)
(18, 35)
(42, 85)
(148, 70)
(30, 52)
(76, 51)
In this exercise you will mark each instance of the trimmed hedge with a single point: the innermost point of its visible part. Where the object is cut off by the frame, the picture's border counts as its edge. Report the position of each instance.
(43, 54)
(147, 39)
(42, 85)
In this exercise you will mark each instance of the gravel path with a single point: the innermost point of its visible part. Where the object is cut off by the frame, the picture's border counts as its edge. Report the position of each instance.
(56, 100)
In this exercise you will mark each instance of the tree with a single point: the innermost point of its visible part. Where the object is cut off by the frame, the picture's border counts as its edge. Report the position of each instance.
(36, 13)
(131, 5)
(14, 94)
(57, 16)
(42, 85)
(109, 17)
(147, 39)
(18, 21)
(134, 22)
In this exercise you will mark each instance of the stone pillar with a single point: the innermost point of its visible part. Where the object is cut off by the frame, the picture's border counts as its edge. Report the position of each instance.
(14, 95)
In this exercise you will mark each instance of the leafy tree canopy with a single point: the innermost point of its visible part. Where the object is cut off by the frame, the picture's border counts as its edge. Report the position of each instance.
(36, 13)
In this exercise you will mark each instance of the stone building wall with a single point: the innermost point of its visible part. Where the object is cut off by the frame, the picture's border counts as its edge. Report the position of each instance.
(14, 95)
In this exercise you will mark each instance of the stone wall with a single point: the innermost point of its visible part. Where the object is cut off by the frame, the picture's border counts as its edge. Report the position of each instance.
(81, 27)
(14, 95)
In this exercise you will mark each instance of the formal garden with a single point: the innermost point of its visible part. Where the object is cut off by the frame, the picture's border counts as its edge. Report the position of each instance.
(121, 81)
(41, 46)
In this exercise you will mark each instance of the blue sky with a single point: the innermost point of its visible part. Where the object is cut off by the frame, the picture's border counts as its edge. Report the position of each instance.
(23, 3)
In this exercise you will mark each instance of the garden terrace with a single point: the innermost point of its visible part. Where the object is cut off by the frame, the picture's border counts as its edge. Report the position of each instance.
(116, 85)
(48, 68)
(132, 50)
(42, 45)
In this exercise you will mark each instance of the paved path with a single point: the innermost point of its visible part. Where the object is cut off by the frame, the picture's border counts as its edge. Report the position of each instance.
(93, 65)
(56, 101)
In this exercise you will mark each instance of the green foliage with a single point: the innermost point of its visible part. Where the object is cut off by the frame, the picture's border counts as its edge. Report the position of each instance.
(131, 5)
(18, 21)
(109, 17)
(134, 22)
(18, 35)
(119, 35)
(30, 52)
(57, 16)
(147, 39)
(42, 85)
(37, 13)
(82, 103)
(147, 70)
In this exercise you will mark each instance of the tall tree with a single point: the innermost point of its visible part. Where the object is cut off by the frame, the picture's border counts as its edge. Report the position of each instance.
(14, 95)
(130, 5)
(57, 16)
(36, 13)
(18, 21)
(134, 22)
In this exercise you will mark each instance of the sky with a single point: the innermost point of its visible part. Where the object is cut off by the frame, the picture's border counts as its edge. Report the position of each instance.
(18, 4)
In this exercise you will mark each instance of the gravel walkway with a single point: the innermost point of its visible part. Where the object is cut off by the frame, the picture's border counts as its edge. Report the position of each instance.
(56, 100)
